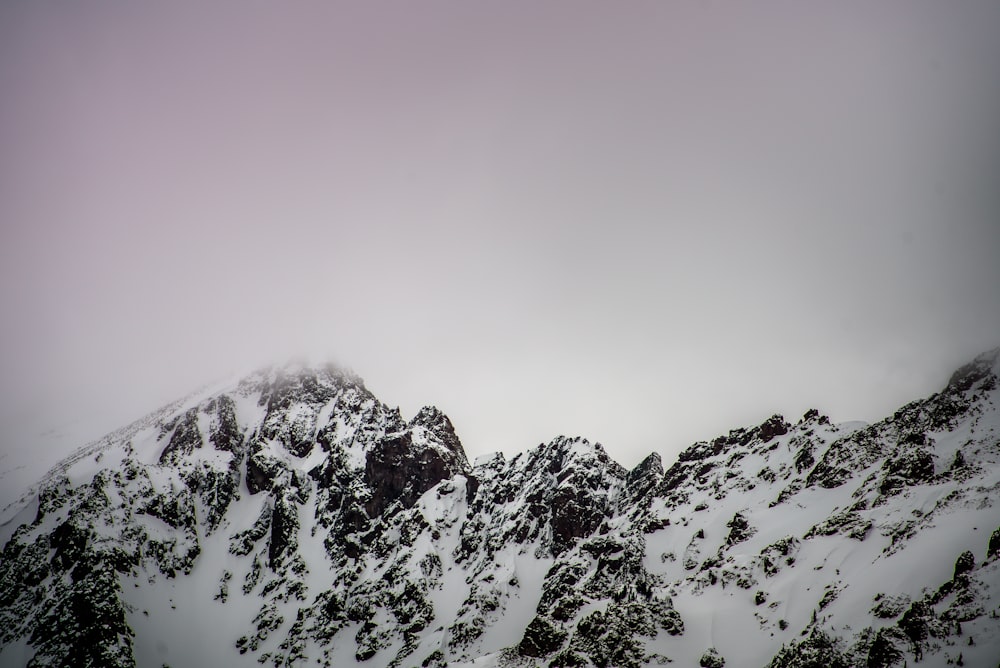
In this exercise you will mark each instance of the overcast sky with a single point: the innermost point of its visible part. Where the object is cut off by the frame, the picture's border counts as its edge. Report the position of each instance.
(641, 222)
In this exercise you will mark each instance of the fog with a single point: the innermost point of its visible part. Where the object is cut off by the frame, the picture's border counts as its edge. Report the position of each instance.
(646, 223)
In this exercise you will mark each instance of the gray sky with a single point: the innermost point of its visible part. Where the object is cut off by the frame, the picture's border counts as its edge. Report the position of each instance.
(642, 222)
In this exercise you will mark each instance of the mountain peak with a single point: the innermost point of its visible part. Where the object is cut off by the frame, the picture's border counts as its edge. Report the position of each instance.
(309, 523)
(439, 429)
(983, 370)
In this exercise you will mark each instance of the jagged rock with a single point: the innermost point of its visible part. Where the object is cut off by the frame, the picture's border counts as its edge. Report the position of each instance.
(979, 371)
(85, 623)
(284, 527)
(965, 563)
(711, 659)
(641, 481)
(355, 530)
(959, 460)
(804, 458)
(616, 637)
(772, 427)
(293, 403)
(692, 554)
(185, 438)
(225, 433)
(541, 638)
(739, 530)
(573, 516)
(813, 415)
(993, 549)
(818, 650)
(440, 428)
(848, 523)
(889, 607)
(264, 471)
(401, 469)
(908, 468)
(915, 624)
(883, 652)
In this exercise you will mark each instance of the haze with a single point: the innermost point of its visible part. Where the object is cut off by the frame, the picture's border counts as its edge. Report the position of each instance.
(644, 222)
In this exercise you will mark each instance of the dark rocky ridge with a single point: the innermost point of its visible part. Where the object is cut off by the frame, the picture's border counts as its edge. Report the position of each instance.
(345, 524)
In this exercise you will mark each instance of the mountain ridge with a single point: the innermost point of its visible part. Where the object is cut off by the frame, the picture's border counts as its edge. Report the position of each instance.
(349, 535)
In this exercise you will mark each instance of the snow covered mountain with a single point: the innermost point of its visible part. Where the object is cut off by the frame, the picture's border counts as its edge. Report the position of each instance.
(292, 519)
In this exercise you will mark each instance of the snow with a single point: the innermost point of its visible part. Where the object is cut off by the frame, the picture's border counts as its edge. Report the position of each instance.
(487, 460)
(181, 620)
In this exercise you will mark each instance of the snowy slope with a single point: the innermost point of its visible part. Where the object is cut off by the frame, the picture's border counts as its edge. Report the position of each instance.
(292, 519)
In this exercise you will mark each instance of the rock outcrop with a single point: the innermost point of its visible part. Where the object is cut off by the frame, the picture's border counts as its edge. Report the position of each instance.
(310, 524)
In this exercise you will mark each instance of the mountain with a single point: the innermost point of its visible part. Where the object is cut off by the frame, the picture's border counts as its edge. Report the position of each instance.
(292, 519)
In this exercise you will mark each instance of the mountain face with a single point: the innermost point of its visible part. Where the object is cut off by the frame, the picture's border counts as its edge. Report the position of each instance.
(292, 519)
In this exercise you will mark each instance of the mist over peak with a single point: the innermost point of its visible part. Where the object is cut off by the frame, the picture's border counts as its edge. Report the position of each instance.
(295, 496)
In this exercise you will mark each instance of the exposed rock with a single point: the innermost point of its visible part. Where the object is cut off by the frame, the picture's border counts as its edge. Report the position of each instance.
(774, 426)
(890, 607)
(641, 482)
(541, 638)
(399, 469)
(355, 529)
(225, 433)
(818, 650)
(965, 563)
(185, 438)
(441, 430)
(908, 468)
(848, 523)
(739, 530)
(978, 371)
(711, 659)
(993, 549)
(884, 652)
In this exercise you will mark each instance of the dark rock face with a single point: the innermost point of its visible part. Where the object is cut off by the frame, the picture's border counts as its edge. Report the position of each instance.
(993, 550)
(264, 471)
(226, 432)
(399, 469)
(86, 624)
(184, 440)
(804, 458)
(574, 513)
(979, 371)
(706, 459)
(557, 492)
(906, 469)
(914, 623)
(541, 638)
(813, 415)
(817, 650)
(641, 481)
(847, 523)
(965, 563)
(615, 637)
(739, 530)
(284, 527)
(711, 659)
(883, 652)
(354, 535)
(844, 457)
(441, 430)
(294, 401)
(773, 427)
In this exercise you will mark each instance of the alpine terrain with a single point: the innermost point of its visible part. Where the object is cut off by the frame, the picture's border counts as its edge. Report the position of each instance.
(292, 519)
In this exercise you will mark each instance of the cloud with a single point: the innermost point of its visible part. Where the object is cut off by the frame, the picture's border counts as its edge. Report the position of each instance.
(644, 226)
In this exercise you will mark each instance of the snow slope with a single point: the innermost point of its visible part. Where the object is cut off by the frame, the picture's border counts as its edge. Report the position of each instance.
(292, 519)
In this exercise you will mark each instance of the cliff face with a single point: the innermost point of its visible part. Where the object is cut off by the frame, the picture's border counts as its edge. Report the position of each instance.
(294, 519)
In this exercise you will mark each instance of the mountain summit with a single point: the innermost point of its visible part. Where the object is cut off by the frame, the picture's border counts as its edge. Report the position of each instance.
(292, 519)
